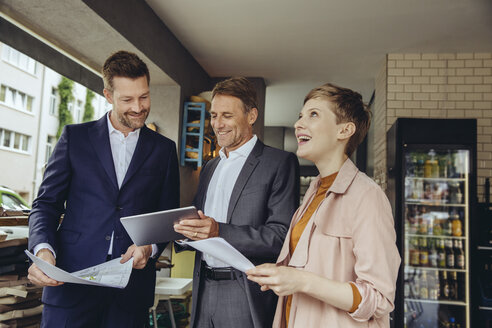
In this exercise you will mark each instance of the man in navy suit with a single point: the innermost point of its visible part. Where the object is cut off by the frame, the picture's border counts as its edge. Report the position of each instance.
(100, 171)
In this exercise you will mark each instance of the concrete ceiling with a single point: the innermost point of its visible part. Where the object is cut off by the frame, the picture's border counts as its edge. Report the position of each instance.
(297, 45)
(74, 28)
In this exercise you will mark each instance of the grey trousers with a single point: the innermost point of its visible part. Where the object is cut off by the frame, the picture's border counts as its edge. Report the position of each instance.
(222, 304)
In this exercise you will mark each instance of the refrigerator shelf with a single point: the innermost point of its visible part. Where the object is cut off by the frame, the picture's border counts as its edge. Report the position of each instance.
(484, 248)
(409, 268)
(458, 303)
(485, 308)
(428, 202)
(435, 179)
(437, 236)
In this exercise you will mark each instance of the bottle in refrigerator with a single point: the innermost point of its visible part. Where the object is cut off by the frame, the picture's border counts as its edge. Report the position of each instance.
(456, 228)
(424, 286)
(459, 255)
(444, 285)
(434, 287)
(437, 227)
(448, 227)
(433, 255)
(450, 260)
(423, 252)
(441, 252)
(453, 286)
(414, 252)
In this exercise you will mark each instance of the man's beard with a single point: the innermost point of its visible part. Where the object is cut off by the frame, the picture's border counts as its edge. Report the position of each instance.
(132, 124)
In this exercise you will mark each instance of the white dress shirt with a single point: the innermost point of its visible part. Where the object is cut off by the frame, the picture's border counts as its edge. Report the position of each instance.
(122, 149)
(221, 185)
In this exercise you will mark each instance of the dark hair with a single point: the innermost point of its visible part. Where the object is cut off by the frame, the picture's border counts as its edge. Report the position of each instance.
(239, 87)
(348, 108)
(124, 64)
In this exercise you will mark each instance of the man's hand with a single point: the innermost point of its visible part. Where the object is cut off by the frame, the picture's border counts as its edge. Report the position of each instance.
(198, 229)
(36, 276)
(140, 255)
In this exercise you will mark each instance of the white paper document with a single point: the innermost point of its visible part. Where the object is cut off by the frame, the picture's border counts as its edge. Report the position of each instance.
(108, 274)
(221, 250)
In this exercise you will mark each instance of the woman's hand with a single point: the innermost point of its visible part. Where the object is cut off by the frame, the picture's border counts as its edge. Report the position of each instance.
(282, 280)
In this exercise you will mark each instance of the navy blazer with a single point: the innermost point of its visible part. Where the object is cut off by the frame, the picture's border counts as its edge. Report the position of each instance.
(80, 181)
(263, 200)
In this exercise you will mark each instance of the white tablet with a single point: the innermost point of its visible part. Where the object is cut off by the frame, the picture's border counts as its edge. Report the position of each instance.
(157, 227)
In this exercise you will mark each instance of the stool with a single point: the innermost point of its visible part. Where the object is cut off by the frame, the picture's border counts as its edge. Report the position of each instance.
(166, 287)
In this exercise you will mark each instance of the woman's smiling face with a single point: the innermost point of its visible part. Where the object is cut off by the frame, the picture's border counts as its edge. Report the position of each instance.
(316, 130)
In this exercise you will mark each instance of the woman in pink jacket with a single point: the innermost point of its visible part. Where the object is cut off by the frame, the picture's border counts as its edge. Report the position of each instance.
(339, 263)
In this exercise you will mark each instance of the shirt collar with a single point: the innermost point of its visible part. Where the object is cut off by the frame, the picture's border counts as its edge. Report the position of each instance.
(243, 151)
(112, 130)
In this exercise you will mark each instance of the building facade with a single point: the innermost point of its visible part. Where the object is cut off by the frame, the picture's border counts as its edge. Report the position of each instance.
(29, 122)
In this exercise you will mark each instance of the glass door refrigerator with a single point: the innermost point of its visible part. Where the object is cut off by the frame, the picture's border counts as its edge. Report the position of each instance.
(432, 188)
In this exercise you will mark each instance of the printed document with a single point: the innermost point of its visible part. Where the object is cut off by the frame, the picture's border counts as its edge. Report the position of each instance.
(221, 250)
(108, 274)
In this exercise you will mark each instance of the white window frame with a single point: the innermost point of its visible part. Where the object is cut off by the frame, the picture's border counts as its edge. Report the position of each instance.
(18, 59)
(24, 140)
(53, 101)
(17, 99)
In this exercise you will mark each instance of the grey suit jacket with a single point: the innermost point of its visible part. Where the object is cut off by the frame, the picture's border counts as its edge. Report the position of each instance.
(264, 198)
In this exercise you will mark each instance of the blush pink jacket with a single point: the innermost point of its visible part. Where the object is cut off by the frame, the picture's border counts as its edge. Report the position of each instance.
(349, 238)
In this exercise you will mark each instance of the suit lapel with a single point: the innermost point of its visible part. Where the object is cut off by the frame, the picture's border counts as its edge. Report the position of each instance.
(248, 168)
(99, 138)
(145, 145)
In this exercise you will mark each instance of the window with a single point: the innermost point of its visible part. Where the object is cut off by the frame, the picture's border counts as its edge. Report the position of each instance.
(78, 112)
(14, 140)
(70, 107)
(18, 59)
(50, 144)
(16, 99)
(53, 97)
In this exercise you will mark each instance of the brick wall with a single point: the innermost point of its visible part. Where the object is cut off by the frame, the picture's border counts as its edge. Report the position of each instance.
(450, 85)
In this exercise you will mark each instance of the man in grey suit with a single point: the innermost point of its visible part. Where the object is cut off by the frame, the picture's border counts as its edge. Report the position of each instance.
(247, 196)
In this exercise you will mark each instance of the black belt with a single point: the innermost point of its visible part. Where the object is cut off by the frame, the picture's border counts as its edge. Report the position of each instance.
(218, 273)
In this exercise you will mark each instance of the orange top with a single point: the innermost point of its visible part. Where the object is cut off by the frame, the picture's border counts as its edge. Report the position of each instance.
(298, 229)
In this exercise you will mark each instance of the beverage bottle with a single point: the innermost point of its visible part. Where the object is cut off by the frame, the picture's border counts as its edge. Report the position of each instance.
(414, 252)
(443, 167)
(441, 254)
(419, 169)
(418, 190)
(452, 322)
(412, 165)
(448, 227)
(450, 260)
(445, 285)
(424, 252)
(424, 286)
(436, 287)
(433, 255)
(459, 255)
(437, 228)
(428, 167)
(456, 227)
(453, 286)
(423, 225)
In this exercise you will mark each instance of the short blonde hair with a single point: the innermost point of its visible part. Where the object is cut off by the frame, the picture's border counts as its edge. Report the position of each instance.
(348, 108)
